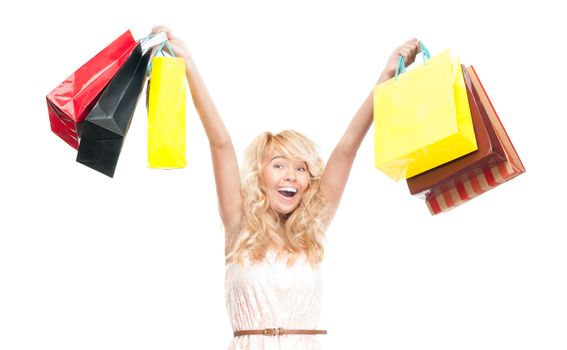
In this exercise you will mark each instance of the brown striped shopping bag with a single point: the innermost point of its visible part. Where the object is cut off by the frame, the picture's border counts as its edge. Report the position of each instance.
(490, 151)
(477, 181)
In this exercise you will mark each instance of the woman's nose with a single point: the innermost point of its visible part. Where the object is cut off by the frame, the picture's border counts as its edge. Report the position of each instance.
(290, 176)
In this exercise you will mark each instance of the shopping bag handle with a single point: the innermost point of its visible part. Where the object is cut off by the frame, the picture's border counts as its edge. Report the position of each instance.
(401, 68)
(152, 40)
(424, 52)
(159, 51)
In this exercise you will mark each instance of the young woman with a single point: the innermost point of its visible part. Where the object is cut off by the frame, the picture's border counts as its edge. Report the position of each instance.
(275, 213)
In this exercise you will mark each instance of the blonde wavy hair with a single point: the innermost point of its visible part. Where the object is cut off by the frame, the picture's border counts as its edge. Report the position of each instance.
(302, 230)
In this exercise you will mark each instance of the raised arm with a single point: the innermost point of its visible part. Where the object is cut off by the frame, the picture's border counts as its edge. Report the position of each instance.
(225, 164)
(337, 170)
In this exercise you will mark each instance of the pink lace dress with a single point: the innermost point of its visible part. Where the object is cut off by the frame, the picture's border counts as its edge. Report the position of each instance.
(270, 295)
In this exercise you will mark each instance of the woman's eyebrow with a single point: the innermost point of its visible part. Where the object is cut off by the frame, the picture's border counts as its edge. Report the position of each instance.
(277, 157)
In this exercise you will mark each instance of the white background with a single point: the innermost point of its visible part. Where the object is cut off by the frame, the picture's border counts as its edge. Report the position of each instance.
(137, 262)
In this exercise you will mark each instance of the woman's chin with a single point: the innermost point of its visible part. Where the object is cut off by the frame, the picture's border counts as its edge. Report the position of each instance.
(282, 211)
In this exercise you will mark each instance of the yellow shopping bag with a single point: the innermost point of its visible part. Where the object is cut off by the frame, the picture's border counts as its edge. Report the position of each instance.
(166, 113)
(422, 119)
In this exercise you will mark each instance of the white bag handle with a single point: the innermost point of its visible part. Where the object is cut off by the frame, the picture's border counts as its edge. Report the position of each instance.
(151, 41)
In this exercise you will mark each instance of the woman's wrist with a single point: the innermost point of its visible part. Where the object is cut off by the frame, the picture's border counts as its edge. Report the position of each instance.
(189, 63)
(383, 77)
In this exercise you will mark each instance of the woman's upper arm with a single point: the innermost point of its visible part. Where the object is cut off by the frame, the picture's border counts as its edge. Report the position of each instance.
(336, 173)
(335, 176)
(227, 179)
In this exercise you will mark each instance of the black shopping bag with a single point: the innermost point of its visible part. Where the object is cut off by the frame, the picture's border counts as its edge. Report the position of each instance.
(107, 124)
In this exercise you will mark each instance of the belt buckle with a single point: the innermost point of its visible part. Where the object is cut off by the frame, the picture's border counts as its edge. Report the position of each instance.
(273, 331)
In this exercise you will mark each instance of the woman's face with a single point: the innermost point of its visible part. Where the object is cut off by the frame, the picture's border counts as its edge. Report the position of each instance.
(285, 180)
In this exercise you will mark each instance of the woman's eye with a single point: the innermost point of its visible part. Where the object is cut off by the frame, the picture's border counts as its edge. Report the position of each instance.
(278, 166)
(302, 169)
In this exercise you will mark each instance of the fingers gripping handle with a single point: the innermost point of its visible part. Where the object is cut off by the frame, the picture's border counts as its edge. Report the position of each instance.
(401, 68)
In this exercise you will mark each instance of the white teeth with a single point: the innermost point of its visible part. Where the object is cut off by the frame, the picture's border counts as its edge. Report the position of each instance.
(288, 189)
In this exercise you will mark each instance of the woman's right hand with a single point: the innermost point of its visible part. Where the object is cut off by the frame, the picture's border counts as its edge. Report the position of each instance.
(177, 45)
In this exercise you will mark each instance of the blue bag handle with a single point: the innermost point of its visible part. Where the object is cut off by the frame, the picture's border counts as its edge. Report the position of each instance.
(160, 51)
(401, 68)
(424, 52)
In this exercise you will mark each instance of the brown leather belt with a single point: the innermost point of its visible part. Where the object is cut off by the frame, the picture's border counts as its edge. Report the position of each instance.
(277, 331)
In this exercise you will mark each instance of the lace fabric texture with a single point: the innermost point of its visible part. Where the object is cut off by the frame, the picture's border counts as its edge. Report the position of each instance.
(270, 295)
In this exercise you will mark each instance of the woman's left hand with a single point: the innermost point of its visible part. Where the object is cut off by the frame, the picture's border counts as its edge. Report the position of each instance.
(408, 50)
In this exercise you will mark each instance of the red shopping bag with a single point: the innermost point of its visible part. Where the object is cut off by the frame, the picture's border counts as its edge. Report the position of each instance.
(479, 180)
(70, 102)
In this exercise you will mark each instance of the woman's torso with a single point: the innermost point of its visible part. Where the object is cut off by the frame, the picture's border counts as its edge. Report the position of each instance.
(269, 294)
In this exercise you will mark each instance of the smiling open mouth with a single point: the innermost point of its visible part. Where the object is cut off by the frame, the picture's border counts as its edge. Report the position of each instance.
(287, 191)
